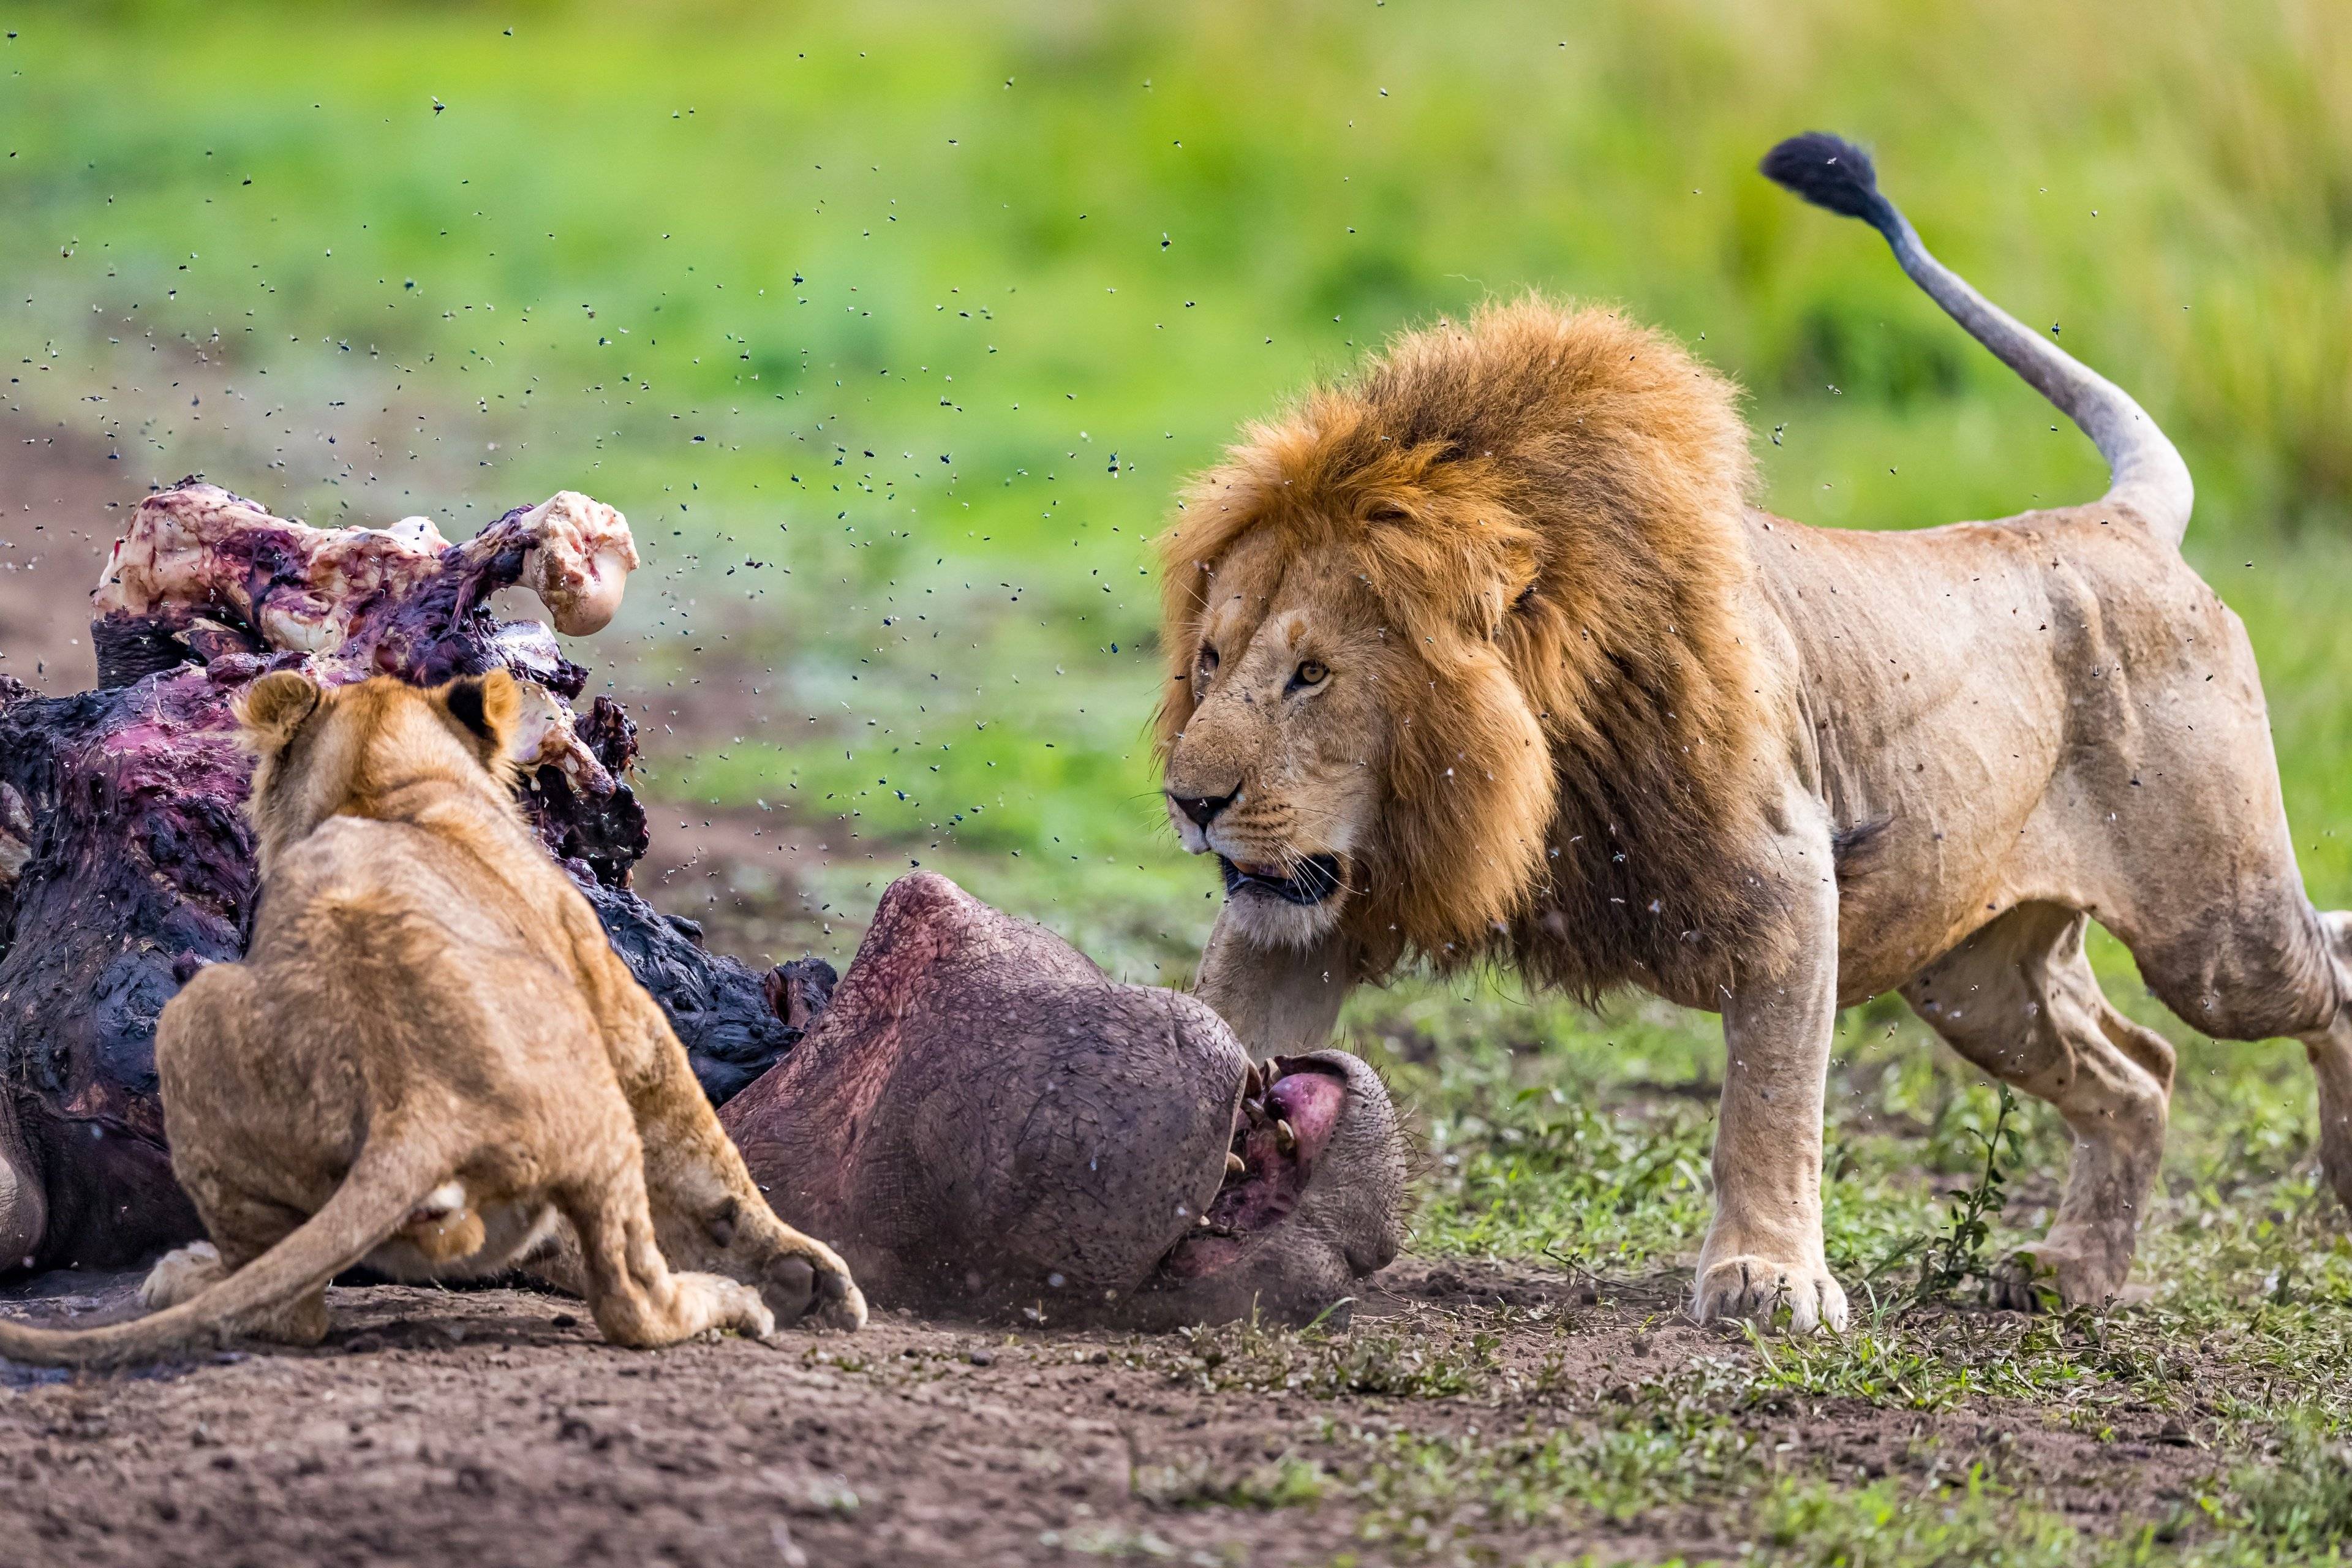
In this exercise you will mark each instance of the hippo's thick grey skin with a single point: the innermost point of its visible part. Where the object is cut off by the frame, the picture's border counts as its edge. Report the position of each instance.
(981, 1121)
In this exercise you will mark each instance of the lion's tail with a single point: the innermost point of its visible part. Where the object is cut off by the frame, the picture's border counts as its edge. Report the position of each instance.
(2147, 473)
(390, 1178)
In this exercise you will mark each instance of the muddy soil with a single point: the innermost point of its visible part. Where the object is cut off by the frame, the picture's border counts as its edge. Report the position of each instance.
(494, 1427)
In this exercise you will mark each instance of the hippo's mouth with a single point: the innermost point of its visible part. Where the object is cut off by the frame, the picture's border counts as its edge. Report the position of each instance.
(1312, 880)
(1288, 1110)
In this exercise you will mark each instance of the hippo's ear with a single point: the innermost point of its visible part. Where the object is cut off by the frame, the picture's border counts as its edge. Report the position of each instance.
(273, 708)
(486, 707)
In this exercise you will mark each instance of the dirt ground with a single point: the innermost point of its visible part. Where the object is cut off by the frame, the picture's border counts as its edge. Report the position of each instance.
(493, 1427)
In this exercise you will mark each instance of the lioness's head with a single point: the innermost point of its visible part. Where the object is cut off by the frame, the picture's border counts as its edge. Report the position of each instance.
(322, 748)
(1402, 619)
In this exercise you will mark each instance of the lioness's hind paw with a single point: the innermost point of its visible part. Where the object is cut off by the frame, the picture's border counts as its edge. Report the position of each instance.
(182, 1275)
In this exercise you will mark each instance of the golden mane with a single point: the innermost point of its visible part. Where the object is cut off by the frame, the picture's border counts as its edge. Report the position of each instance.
(1561, 490)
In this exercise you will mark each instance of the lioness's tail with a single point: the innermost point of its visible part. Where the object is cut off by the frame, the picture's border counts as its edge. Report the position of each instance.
(388, 1179)
(2148, 473)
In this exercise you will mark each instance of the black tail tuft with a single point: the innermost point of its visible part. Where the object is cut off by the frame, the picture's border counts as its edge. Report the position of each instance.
(1830, 172)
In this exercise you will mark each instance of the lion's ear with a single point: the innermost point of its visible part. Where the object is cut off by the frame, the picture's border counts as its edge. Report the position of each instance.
(486, 706)
(273, 708)
(1489, 609)
(1511, 593)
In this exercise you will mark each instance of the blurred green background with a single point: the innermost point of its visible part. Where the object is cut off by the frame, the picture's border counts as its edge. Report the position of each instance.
(894, 327)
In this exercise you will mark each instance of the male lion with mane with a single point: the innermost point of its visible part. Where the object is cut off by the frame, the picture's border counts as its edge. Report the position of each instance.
(1485, 655)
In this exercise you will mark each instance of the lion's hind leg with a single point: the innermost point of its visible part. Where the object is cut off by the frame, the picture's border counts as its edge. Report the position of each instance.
(2330, 1050)
(2018, 998)
(2256, 962)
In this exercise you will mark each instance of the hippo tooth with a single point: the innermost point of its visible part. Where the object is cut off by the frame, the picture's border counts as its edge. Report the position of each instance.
(1284, 1138)
(1256, 1109)
(1234, 1166)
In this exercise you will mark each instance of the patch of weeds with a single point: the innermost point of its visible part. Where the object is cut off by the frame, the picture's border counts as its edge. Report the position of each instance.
(1669, 1440)
(2298, 1500)
(1903, 1356)
(1426, 1494)
(1664, 1443)
(1890, 1524)
(1289, 1481)
(1426, 1359)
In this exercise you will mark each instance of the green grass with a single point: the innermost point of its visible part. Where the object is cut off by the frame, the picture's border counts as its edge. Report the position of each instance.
(873, 298)
(893, 328)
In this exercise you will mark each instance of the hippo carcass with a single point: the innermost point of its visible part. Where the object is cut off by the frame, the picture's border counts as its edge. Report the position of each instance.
(125, 864)
(983, 1123)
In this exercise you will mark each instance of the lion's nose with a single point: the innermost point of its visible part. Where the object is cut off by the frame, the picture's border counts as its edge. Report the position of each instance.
(1203, 808)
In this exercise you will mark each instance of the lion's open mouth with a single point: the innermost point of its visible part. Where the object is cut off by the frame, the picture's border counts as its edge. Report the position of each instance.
(1290, 1107)
(1312, 880)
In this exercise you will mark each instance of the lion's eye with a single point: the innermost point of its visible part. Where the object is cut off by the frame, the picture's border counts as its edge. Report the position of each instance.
(1310, 672)
(1208, 659)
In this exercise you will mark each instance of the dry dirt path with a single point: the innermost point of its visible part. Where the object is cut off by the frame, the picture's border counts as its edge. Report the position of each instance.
(493, 1428)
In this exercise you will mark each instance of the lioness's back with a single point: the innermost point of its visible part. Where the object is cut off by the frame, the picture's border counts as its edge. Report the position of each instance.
(383, 934)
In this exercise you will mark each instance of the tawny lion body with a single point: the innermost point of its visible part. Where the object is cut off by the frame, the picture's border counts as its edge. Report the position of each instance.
(431, 1060)
(1485, 656)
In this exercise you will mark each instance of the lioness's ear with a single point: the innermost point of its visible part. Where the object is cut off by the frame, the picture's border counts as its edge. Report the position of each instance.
(274, 707)
(485, 705)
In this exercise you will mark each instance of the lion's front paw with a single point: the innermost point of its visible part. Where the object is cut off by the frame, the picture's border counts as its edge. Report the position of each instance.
(1748, 1285)
(182, 1275)
(846, 1309)
(807, 1279)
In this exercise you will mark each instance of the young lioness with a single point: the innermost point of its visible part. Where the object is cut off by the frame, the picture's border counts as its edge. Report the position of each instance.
(429, 1057)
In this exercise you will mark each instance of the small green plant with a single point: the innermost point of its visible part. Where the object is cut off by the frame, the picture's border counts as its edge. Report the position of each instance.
(1956, 1254)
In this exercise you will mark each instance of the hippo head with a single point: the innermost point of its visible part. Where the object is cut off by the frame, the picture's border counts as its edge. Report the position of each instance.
(982, 1122)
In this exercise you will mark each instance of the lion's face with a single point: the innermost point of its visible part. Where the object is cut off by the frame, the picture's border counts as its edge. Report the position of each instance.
(1279, 771)
(1349, 765)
